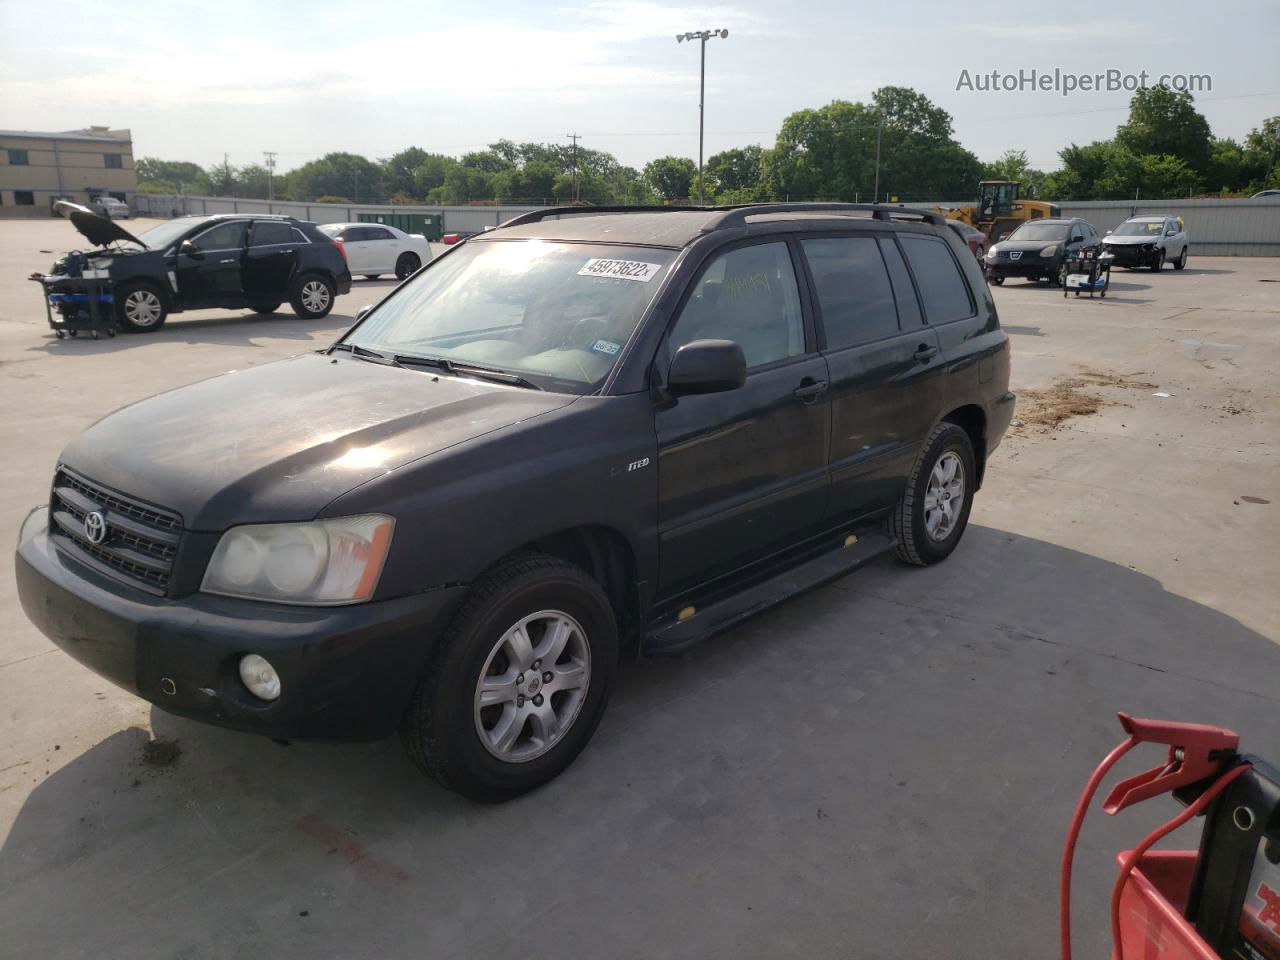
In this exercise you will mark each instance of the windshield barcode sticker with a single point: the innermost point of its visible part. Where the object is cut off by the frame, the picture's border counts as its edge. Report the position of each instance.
(620, 269)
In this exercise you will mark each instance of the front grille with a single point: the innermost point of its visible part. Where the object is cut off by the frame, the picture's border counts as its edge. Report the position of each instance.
(141, 540)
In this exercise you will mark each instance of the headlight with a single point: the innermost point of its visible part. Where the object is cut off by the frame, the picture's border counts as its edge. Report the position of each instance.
(1050, 250)
(991, 251)
(325, 562)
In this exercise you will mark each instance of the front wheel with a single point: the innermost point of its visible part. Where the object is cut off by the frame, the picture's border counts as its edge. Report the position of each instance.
(1059, 279)
(1159, 262)
(934, 510)
(519, 682)
(140, 308)
(407, 264)
(1181, 262)
(312, 296)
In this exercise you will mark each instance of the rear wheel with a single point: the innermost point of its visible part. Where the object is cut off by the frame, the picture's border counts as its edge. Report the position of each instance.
(1181, 262)
(934, 510)
(519, 682)
(312, 296)
(407, 264)
(140, 307)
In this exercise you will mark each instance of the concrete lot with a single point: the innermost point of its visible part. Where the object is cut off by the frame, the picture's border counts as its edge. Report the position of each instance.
(882, 768)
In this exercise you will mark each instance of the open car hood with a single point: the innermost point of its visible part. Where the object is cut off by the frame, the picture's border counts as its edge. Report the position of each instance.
(98, 230)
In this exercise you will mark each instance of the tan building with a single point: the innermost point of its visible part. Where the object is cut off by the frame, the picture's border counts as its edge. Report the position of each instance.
(38, 168)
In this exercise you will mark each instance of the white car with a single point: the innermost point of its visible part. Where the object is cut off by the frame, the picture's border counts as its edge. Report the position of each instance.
(375, 248)
(110, 207)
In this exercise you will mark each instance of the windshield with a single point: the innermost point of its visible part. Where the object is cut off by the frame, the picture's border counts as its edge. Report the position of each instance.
(555, 313)
(1039, 232)
(1139, 228)
(157, 238)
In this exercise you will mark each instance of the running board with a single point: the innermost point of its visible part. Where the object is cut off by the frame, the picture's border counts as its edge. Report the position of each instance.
(676, 632)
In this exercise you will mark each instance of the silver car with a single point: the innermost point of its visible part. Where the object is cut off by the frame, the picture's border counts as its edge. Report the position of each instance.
(1147, 242)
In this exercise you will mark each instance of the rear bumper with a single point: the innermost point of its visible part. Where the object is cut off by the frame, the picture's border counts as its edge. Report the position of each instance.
(347, 673)
(999, 416)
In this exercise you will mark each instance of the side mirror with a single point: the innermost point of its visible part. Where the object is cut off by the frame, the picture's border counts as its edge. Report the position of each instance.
(707, 366)
(190, 249)
(363, 312)
(1004, 236)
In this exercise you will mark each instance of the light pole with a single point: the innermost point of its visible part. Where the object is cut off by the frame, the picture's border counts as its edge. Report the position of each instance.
(704, 36)
(875, 197)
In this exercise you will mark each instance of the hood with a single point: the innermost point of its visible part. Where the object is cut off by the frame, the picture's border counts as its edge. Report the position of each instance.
(281, 441)
(1114, 241)
(1029, 245)
(97, 229)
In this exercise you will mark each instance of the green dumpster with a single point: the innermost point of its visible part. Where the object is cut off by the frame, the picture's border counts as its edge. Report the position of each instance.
(430, 225)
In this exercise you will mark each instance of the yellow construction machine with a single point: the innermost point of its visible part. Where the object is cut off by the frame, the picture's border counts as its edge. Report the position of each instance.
(999, 210)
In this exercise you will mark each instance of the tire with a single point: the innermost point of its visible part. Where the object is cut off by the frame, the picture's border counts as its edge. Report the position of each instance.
(140, 307)
(1181, 262)
(1155, 267)
(913, 521)
(407, 264)
(312, 296)
(1059, 278)
(458, 742)
(372, 276)
(265, 307)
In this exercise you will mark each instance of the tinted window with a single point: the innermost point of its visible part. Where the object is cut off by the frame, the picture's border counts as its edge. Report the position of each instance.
(225, 236)
(903, 291)
(748, 295)
(300, 236)
(853, 289)
(267, 232)
(355, 234)
(378, 233)
(942, 286)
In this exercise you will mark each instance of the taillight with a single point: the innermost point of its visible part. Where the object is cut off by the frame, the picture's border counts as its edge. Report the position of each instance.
(342, 249)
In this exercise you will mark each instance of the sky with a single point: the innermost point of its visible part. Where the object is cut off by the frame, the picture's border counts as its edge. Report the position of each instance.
(195, 80)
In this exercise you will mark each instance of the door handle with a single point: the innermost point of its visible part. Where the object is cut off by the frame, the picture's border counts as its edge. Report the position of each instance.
(925, 352)
(810, 390)
(228, 260)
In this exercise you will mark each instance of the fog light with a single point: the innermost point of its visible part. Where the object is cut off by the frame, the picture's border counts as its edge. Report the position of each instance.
(260, 677)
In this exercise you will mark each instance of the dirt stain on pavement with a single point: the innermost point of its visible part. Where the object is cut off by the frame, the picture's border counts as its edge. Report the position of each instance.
(1073, 396)
(160, 753)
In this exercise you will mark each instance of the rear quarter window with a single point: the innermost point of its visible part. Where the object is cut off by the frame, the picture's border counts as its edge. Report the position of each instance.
(943, 289)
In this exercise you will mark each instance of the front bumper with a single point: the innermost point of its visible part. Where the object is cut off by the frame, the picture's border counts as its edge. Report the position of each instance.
(347, 673)
(1130, 256)
(1025, 267)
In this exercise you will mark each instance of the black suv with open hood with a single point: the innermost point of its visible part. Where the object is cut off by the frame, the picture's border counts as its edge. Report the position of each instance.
(583, 432)
(192, 263)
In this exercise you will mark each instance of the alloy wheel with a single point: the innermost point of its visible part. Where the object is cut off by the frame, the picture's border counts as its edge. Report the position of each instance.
(142, 308)
(944, 499)
(315, 296)
(532, 687)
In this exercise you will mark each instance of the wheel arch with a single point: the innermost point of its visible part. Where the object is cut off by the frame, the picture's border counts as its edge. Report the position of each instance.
(972, 419)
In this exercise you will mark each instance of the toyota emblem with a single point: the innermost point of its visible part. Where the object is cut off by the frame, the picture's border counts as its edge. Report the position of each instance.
(95, 527)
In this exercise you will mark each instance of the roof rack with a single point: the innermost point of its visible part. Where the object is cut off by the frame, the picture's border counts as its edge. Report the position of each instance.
(536, 216)
(737, 216)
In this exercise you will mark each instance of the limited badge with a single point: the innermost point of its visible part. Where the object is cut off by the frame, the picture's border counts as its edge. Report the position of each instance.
(620, 269)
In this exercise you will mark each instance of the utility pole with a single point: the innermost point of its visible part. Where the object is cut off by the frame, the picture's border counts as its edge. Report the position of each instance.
(704, 36)
(226, 173)
(575, 138)
(270, 156)
(875, 197)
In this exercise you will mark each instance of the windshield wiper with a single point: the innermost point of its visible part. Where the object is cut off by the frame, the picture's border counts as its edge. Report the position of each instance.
(364, 353)
(467, 370)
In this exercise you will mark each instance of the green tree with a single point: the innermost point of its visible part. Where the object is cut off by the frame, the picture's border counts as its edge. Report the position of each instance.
(1014, 165)
(738, 172)
(338, 174)
(671, 178)
(222, 179)
(486, 161)
(1164, 121)
(399, 170)
(251, 182)
(179, 176)
(463, 184)
(530, 182)
(430, 173)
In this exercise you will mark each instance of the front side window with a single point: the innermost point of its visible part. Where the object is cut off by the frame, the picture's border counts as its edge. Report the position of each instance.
(748, 295)
(225, 236)
(555, 313)
(18, 158)
(942, 286)
(268, 232)
(853, 289)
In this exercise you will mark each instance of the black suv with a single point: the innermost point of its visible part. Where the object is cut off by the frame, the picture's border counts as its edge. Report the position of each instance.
(193, 263)
(1038, 250)
(567, 437)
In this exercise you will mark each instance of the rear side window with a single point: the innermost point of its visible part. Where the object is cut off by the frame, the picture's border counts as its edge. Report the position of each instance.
(225, 236)
(942, 286)
(267, 232)
(853, 289)
(903, 291)
(378, 233)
